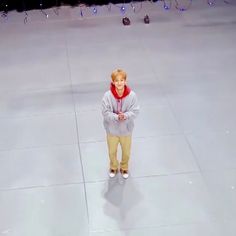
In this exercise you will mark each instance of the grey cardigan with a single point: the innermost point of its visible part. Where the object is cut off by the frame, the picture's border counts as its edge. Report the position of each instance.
(129, 106)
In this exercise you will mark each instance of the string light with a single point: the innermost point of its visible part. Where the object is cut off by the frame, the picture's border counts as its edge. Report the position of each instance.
(81, 9)
(5, 12)
(123, 9)
(42, 11)
(132, 6)
(56, 10)
(211, 2)
(81, 12)
(167, 4)
(136, 10)
(26, 18)
(180, 7)
(109, 7)
(26, 14)
(156, 1)
(95, 10)
(136, 7)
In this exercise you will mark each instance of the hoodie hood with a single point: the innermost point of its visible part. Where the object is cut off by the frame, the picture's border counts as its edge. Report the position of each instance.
(115, 94)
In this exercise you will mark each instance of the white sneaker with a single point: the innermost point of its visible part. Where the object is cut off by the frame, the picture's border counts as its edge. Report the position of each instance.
(124, 173)
(112, 173)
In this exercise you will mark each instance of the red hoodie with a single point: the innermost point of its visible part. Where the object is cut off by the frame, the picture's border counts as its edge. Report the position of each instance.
(119, 98)
(115, 94)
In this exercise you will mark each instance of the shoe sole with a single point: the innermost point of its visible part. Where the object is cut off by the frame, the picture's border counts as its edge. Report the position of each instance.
(125, 177)
(112, 176)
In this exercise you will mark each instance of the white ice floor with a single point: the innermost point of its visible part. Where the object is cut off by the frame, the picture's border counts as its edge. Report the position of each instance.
(53, 156)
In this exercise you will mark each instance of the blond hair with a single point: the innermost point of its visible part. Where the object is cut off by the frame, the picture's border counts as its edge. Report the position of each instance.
(118, 72)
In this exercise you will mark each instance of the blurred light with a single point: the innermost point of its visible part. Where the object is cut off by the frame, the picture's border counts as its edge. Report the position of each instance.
(167, 4)
(42, 11)
(211, 2)
(166, 7)
(123, 9)
(95, 10)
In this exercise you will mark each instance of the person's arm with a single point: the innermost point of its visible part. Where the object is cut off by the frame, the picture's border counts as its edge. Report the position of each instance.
(134, 109)
(107, 111)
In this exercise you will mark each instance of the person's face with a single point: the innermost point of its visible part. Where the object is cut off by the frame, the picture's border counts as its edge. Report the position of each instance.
(119, 82)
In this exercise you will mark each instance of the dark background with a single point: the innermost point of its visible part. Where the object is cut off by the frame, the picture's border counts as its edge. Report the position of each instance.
(22, 5)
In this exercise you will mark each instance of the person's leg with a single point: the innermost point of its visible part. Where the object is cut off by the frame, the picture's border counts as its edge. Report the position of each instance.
(125, 142)
(112, 142)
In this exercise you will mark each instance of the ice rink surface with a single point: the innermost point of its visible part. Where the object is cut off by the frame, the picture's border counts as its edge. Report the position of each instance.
(53, 154)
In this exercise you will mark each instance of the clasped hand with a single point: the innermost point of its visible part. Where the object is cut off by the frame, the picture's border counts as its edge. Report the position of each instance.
(121, 116)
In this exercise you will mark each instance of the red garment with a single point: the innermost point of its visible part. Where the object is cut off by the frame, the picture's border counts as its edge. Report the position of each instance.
(115, 94)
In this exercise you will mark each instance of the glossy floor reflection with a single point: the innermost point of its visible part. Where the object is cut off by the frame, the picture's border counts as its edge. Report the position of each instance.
(53, 154)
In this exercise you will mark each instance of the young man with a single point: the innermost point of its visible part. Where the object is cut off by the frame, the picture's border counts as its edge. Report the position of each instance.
(119, 108)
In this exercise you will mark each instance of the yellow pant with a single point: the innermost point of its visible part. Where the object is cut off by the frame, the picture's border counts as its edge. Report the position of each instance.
(125, 143)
